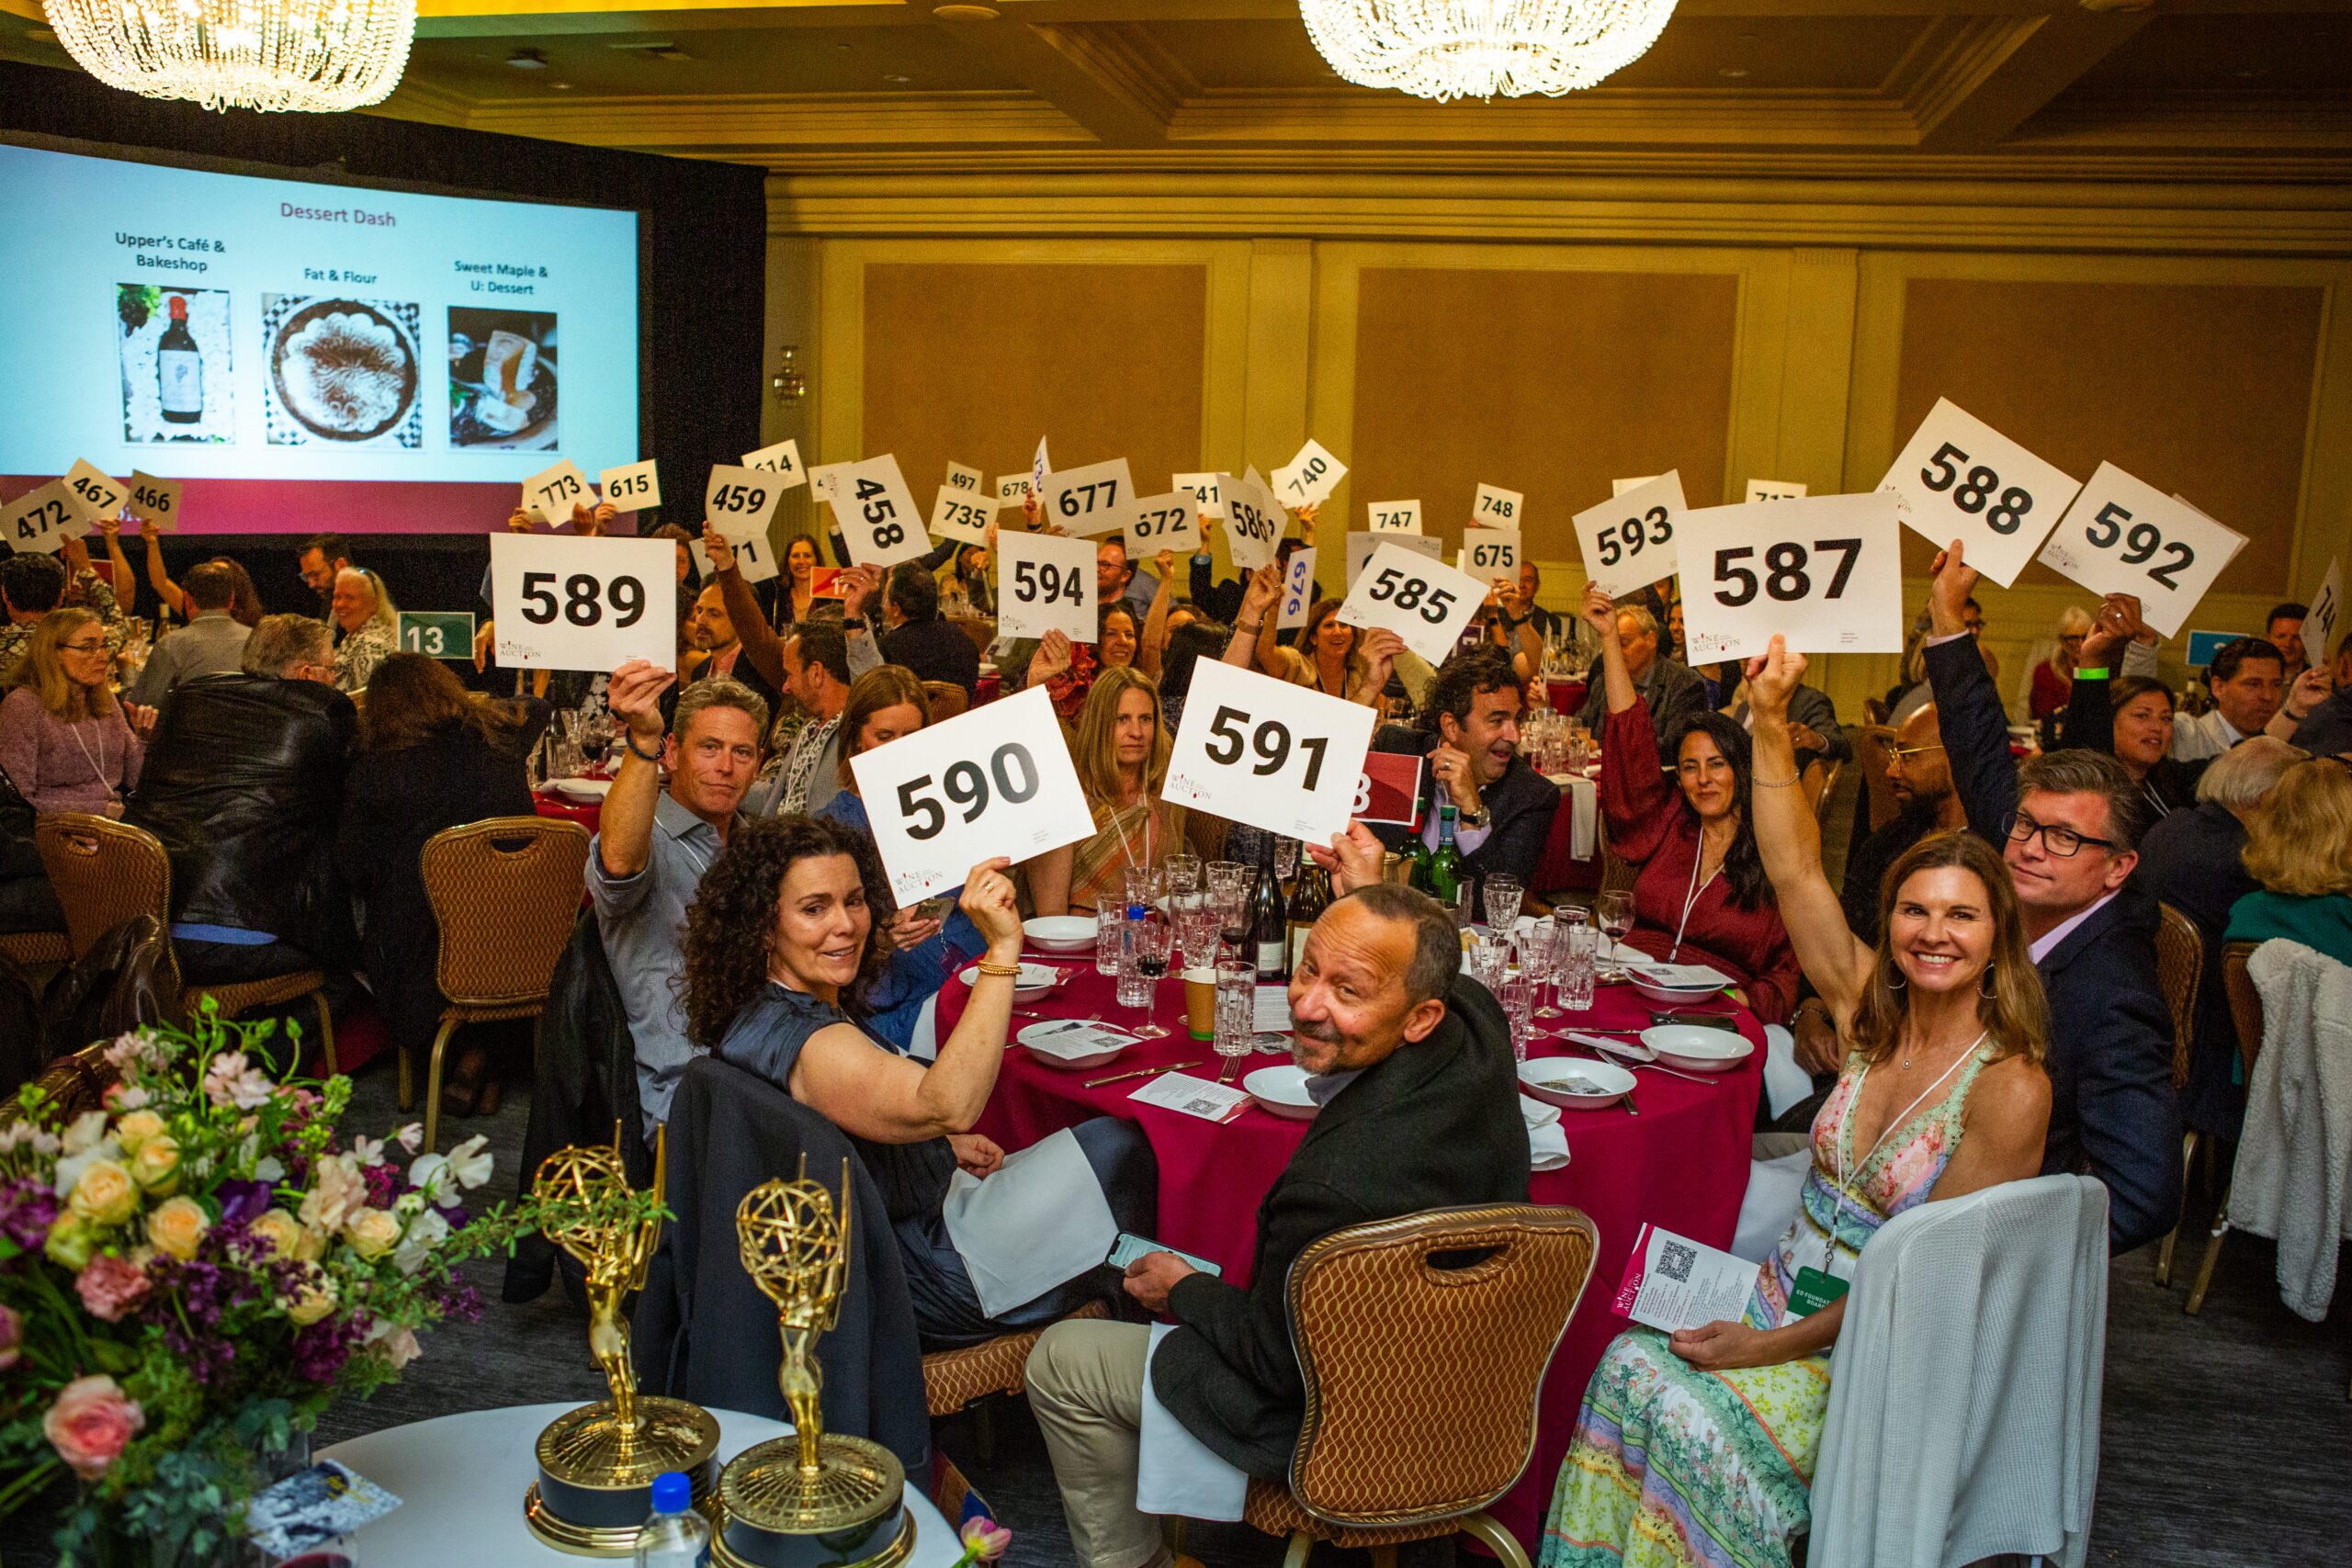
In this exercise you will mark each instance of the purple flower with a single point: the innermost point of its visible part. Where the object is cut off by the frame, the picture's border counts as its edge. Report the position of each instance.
(383, 1185)
(241, 1200)
(27, 1210)
(322, 1348)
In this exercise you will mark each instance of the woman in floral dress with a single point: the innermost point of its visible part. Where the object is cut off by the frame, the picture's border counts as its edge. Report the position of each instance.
(1699, 1447)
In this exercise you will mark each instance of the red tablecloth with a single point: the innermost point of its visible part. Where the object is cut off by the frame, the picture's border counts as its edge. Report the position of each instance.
(547, 804)
(1681, 1163)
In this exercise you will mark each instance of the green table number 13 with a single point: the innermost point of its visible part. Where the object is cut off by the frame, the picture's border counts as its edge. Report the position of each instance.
(437, 634)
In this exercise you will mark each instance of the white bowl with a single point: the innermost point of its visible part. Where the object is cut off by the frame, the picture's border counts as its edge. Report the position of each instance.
(1035, 979)
(1061, 934)
(1573, 1084)
(1671, 996)
(1696, 1049)
(1037, 1036)
(1283, 1091)
(588, 792)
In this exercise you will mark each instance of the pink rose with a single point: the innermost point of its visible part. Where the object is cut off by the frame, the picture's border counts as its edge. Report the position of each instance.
(89, 1424)
(12, 1338)
(110, 1287)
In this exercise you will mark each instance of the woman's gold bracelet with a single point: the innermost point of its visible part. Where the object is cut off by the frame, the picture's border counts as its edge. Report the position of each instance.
(1775, 783)
(1008, 971)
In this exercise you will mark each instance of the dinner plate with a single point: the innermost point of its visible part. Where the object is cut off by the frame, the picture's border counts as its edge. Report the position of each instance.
(1035, 979)
(1671, 996)
(1283, 1091)
(1696, 1049)
(1622, 1046)
(1060, 933)
(1045, 1042)
(1574, 1084)
(588, 792)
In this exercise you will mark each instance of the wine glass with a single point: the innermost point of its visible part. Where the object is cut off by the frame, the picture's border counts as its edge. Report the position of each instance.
(1151, 940)
(1519, 1006)
(1233, 916)
(1539, 959)
(1614, 915)
(1503, 892)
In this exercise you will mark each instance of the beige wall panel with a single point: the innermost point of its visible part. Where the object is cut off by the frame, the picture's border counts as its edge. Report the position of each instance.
(1549, 382)
(2203, 389)
(972, 363)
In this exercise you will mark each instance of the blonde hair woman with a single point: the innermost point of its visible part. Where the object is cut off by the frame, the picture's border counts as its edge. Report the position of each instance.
(2053, 678)
(2299, 846)
(66, 743)
(1121, 749)
(363, 607)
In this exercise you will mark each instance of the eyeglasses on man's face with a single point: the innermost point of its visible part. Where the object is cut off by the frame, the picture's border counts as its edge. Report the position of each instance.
(1903, 754)
(2060, 840)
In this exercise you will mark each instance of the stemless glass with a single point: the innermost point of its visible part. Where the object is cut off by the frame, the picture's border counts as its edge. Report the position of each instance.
(1503, 893)
(1573, 984)
(1182, 873)
(1236, 1012)
(1143, 887)
(1197, 927)
(1107, 938)
(1285, 857)
(1148, 942)
(1489, 960)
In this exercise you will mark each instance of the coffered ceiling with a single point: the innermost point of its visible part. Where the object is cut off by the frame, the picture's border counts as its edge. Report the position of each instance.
(2186, 91)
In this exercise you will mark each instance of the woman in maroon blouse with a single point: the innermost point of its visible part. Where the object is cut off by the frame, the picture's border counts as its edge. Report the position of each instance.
(1700, 896)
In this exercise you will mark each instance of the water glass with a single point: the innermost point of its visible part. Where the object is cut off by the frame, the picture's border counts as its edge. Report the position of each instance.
(1518, 998)
(1198, 926)
(1143, 887)
(1148, 941)
(1108, 937)
(1489, 960)
(1228, 877)
(1182, 873)
(1573, 988)
(1237, 1009)
(1503, 892)
(1285, 857)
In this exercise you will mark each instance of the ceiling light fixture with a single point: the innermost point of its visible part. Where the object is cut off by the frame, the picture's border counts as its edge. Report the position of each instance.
(316, 56)
(1478, 49)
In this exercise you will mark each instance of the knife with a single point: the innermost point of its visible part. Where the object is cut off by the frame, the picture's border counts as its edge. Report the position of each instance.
(1142, 1073)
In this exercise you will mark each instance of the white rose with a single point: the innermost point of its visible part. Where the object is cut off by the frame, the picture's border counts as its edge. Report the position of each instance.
(426, 1232)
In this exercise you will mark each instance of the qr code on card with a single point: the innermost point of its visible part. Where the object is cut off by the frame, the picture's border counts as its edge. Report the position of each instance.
(1674, 1261)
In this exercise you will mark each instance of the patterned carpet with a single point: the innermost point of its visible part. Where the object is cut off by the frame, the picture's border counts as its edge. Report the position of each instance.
(2227, 1443)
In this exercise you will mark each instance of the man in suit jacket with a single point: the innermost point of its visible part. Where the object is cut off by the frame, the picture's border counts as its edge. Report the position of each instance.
(2091, 931)
(1412, 1064)
(1673, 692)
(1503, 807)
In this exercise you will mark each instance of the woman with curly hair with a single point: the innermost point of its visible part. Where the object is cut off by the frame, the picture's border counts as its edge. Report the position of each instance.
(1700, 892)
(778, 955)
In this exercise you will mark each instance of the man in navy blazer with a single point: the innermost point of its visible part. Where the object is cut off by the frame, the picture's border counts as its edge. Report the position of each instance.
(2068, 826)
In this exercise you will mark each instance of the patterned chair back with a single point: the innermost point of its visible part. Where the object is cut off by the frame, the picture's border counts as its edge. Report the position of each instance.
(504, 892)
(945, 699)
(2180, 963)
(104, 872)
(1422, 1379)
(2246, 1000)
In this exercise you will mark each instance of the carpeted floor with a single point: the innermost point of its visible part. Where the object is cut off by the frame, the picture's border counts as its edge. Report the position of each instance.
(2227, 1436)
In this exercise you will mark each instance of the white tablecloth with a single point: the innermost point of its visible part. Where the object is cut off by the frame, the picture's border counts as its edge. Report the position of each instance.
(460, 1480)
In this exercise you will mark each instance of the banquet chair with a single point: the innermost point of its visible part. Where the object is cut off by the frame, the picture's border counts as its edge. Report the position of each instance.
(1616, 875)
(36, 948)
(945, 699)
(956, 1379)
(1422, 1379)
(107, 871)
(2181, 960)
(504, 892)
(2246, 1012)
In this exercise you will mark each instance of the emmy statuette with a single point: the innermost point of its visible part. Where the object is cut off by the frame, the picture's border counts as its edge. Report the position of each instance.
(597, 1463)
(814, 1499)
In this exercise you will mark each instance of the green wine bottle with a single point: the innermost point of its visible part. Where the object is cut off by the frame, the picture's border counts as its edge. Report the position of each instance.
(1445, 871)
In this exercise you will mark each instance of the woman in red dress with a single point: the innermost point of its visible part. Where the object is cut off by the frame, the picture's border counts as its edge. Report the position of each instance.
(1700, 896)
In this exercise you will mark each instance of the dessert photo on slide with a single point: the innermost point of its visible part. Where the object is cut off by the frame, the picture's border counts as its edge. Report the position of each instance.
(175, 354)
(344, 371)
(502, 380)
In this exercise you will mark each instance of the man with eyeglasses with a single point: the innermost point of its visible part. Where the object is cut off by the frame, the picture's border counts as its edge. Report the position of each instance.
(2067, 824)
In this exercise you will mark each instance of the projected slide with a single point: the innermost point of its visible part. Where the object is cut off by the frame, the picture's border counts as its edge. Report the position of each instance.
(307, 355)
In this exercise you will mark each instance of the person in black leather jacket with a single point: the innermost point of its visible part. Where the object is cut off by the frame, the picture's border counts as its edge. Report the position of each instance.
(244, 786)
(27, 903)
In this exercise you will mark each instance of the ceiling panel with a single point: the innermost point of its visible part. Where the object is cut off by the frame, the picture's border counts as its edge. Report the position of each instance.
(783, 59)
(2231, 53)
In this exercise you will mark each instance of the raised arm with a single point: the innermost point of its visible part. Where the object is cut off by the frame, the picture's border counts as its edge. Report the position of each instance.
(761, 645)
(1600, 613)
(625, 835)
(1153, 647)
(1257, 609)
(125, 581)
(161, 580)
(1787, 836)
(1969, 718)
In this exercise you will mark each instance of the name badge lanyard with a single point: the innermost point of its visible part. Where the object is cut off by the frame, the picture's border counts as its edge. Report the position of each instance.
(1691, 899)
(1894, 1124)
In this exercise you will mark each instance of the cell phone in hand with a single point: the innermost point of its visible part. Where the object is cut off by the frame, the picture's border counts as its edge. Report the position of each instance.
(1127, 1249)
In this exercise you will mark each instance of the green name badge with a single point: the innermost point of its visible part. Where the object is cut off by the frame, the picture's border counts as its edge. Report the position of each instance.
(437, 634)
(1813, 1290)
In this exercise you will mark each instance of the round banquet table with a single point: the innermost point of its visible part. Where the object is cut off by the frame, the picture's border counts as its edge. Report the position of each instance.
(460, 1481)
(548, 803)
(1681, 1164)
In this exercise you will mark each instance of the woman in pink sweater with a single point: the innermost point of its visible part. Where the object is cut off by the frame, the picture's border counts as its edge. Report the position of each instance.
(65, 742)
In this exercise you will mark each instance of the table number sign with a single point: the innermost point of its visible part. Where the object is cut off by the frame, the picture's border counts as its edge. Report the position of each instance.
(963, 478)
(783, 460)
(1308, 478)
(1496, 507)
(996, 781)
(1044, 582)
(633, 487)
(566, 602)
(437, 634)
(875, 514)
(962, 514)
(1164, 523)
(1207, 500)
(1097, 499)
(1298, 592)
(740, 501)
(2123, 536)
(1826, 572)
(1388, 790)
(155, 501)
(1254, 520)
(1425, 602)
(1961, 478)
(1775, 489)
(1489, 553)
(40, 521)
(1628, 540)
(91, 492)
(550, 495)
(1361, 544)
(1395, 516)
(1255, 749)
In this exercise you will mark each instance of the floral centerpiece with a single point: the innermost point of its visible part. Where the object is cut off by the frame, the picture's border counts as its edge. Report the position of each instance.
(189, 1275)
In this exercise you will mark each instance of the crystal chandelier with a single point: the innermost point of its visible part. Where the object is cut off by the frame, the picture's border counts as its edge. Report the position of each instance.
(315, 55)
(1479, 49)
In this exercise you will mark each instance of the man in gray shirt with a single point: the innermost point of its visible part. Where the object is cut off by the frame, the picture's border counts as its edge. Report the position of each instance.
(213, 643)
(1672, 692)
(655, 843)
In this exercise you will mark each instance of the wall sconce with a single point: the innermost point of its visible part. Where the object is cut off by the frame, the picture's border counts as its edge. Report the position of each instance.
(788, 385)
